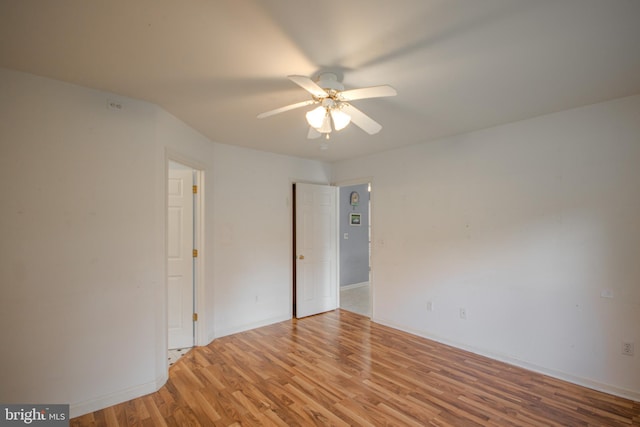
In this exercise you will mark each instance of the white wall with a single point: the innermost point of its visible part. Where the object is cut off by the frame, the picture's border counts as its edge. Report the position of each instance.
(252, 220)
(524, 226)
(80, 275)
(83, 307)
(247, 229)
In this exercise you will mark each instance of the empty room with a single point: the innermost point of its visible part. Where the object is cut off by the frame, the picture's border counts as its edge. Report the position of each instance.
(196, 195)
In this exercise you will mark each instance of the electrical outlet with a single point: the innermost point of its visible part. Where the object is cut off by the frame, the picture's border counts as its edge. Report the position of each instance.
(606, 293)
(463, 313)
(429, 306)
(627, 348)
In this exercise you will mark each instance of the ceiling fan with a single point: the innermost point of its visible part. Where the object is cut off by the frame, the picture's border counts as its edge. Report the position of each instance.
(334, 105)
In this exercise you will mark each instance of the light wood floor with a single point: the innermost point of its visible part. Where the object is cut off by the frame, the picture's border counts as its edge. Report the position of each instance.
(341, 369)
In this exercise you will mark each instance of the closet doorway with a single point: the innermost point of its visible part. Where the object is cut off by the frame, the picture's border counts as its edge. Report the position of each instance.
(182, 257)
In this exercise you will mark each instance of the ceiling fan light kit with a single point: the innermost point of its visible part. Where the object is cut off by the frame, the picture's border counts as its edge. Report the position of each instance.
(340, 119)
(316, 117)
(334, 105)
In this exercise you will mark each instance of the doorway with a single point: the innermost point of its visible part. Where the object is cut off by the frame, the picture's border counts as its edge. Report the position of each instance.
(355, 248)
(182, 254)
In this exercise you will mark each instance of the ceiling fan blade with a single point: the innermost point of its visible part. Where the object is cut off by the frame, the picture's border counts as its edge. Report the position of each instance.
(313, 133)
(309, 85)
(361, 120)
(368, 92)
(286, 108)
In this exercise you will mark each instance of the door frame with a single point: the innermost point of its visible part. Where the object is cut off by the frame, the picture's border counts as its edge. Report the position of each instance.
(361, 181)
(292, 259)
(199, 332)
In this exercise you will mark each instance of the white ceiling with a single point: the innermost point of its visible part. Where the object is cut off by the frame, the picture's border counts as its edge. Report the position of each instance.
(458, 65)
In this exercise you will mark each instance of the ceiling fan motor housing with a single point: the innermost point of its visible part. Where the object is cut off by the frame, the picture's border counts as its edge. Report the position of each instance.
(329, 81)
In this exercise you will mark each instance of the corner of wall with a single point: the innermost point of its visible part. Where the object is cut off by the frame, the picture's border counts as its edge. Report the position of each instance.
(87, 406)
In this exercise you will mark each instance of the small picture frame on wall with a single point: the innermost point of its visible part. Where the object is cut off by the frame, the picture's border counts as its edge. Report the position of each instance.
(354, 219)
(354, 198)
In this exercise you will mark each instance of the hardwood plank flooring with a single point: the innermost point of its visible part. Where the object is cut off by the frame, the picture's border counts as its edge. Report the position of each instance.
(341, 369)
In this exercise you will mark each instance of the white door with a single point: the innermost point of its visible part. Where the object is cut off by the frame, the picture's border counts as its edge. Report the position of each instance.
(180, 256)
(316, 249)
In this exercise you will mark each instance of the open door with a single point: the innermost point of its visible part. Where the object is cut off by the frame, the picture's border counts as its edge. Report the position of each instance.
(180, 256)
(315, 249)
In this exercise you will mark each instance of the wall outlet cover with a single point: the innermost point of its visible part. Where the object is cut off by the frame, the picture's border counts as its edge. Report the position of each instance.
(606, 293)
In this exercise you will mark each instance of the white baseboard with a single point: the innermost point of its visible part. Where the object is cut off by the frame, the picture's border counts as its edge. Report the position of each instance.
(584, 382)
(81, 408)
(353, 286)
(248, 326)
(85, 407)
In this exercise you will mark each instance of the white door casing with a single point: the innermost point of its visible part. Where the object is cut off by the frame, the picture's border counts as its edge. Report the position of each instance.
(180, 258)
(316, 249)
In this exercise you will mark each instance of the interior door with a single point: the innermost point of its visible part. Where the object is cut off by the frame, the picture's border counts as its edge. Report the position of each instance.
(180, 256)
(315, 249)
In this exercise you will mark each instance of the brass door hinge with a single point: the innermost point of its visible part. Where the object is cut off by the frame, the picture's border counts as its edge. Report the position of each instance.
(195, 253)
(195, 317)
(195, 189)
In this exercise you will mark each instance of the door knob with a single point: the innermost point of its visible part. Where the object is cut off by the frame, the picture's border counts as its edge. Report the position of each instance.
(301, 257)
